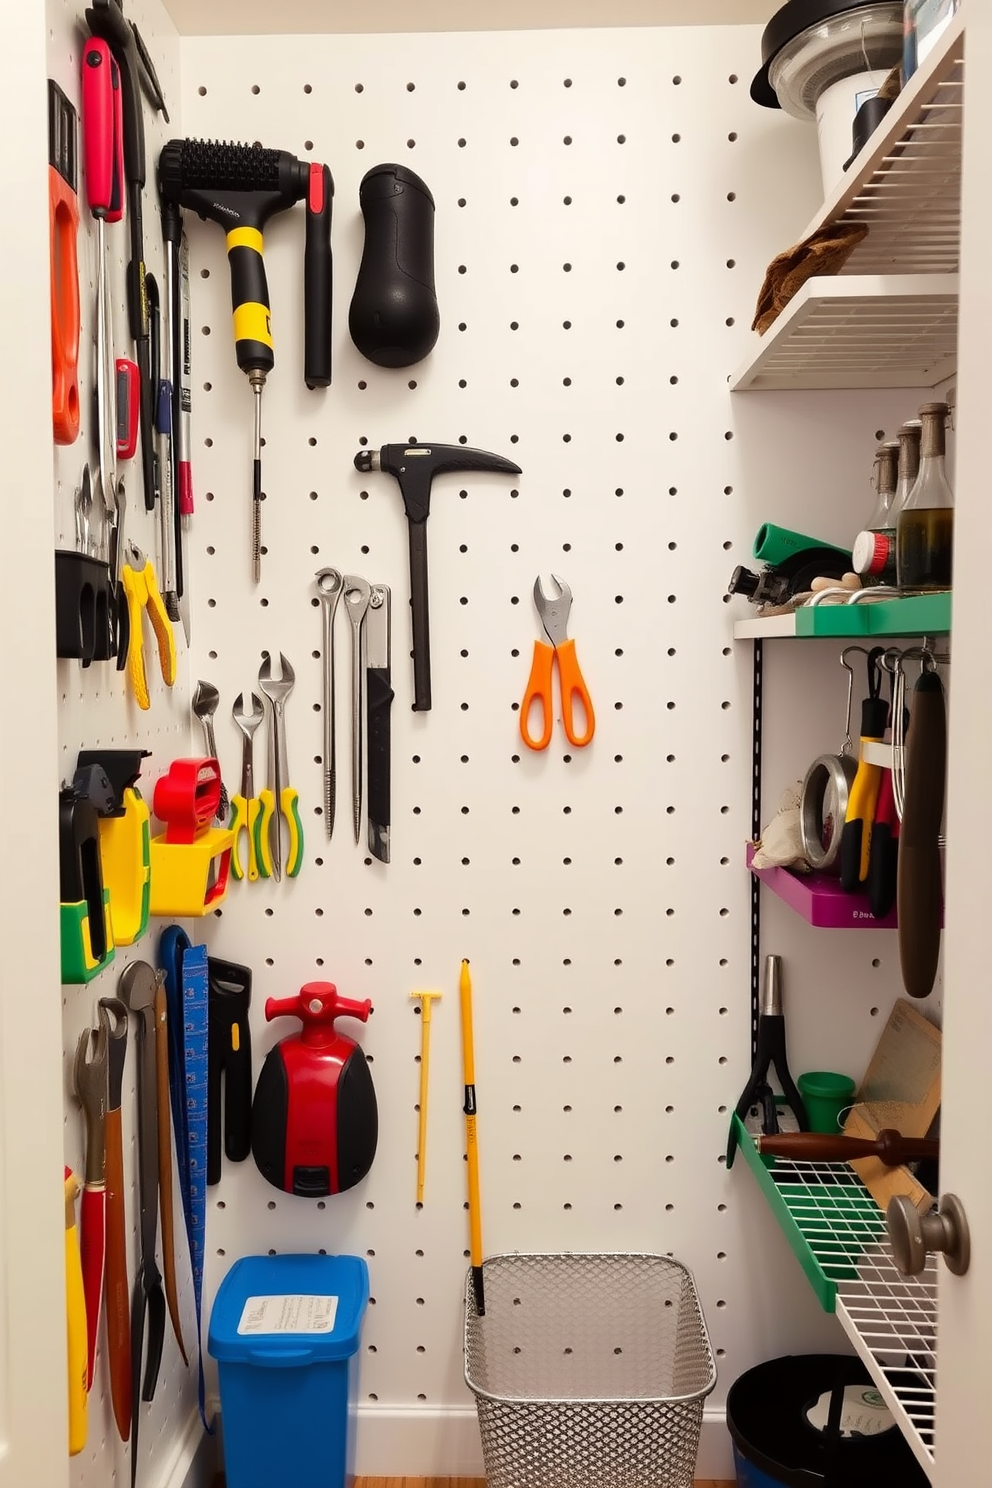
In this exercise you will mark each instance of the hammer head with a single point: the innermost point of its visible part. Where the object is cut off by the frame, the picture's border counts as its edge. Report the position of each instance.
(415, 466)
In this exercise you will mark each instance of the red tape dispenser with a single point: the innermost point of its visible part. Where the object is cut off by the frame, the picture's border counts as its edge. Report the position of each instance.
(191, 859)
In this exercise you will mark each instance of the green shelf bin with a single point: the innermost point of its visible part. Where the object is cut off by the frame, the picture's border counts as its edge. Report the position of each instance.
(918, 614)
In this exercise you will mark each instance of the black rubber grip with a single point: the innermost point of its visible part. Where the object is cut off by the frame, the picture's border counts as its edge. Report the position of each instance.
(850, 855)
(882, 869)
(250, 302)
(318, 279)
(393, 317)
(420, 613)
(379, 695)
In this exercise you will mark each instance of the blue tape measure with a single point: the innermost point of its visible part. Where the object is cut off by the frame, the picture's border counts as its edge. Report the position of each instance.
(186, 985)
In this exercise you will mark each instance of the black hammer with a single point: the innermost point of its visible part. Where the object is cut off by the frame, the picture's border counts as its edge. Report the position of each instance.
(415, 466)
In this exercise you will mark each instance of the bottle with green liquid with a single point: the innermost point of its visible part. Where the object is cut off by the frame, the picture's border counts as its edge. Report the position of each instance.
(925, 525)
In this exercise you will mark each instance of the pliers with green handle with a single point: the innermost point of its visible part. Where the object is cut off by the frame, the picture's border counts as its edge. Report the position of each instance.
(281, 803)
(246, 808)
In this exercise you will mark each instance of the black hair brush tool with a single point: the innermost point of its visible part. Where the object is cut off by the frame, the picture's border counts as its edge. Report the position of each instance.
(240, 187)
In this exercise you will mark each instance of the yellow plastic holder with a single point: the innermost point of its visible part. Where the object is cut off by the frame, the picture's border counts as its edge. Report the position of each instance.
(125, 852)
(190, 879)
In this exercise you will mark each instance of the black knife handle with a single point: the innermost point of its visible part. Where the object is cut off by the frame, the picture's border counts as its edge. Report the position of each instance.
(919, 879)
(421, 617)
(380, 697)
(237, 1091)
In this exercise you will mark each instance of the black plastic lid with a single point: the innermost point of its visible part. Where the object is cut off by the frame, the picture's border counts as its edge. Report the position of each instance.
(795, 17)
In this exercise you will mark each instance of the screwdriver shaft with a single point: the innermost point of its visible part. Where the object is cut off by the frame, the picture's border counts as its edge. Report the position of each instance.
(257, 381)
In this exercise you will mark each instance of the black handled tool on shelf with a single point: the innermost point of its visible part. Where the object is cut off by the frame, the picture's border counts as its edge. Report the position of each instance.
(228, 1059)
(769, 1052)
(240, 187)
(415, 466)
(919, 880)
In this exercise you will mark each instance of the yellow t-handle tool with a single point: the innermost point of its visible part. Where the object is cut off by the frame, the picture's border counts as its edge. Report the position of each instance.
(471, 1141)
(75, 1301)
(426, 998)
(142, 592)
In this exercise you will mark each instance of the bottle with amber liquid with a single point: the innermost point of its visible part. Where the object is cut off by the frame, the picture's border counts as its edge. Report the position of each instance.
(873, 555)
(925, 525)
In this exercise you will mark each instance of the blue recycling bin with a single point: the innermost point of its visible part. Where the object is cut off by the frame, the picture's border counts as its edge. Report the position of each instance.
(285, 1331)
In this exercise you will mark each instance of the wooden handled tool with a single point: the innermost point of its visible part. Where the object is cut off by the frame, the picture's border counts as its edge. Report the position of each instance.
(165, 1161)
(426, 998)
(891, 1146)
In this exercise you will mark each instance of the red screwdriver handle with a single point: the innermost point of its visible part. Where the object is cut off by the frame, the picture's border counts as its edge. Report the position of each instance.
(98, 126)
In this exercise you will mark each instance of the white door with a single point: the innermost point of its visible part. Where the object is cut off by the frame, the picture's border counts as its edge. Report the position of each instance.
(965, 1303)
(33, 1429)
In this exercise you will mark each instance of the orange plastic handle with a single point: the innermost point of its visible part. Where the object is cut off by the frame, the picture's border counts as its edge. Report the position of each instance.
(63, 213)
(538, 690)
(573, 688)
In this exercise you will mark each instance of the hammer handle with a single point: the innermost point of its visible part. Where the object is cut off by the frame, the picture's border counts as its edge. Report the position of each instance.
(893, 1148)
(421, 617)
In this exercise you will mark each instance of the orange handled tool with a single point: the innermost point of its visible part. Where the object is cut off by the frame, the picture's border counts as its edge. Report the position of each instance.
(472, 1141)
(63, 222)
(75, 1320)
(554, 618)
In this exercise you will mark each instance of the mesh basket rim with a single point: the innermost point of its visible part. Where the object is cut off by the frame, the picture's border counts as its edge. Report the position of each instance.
(590, 1400)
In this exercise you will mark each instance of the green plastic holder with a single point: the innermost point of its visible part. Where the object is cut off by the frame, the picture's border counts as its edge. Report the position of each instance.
(78, 962)
(917, 614)
(805, 1212)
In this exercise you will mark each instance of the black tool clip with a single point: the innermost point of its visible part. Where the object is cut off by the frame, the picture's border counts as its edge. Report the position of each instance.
(228, 1055)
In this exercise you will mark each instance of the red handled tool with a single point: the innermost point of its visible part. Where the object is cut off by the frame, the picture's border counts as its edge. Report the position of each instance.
(90, 1084)
(128, 394)
(186, 798)
(63, 222)
(314, 1123)
(113, 1016)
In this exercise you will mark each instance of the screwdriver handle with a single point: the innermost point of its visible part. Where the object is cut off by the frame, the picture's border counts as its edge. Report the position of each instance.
(317, 278)
(250, 300)
(99, 68)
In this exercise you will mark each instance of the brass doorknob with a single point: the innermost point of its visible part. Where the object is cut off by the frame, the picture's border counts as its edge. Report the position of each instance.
(913, 1236)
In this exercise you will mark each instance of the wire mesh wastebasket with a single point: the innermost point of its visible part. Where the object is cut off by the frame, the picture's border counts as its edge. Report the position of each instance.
(588, 1371)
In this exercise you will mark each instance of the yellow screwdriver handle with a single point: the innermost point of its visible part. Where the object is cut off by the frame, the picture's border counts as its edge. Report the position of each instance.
(290, 806)
(135, 650)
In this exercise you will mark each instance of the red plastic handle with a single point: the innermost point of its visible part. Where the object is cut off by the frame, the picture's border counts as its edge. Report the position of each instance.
(92, 1249)
(317, 1003)
(98, 125)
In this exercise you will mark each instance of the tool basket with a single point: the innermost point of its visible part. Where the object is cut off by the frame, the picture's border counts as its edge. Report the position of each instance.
(588, 1371)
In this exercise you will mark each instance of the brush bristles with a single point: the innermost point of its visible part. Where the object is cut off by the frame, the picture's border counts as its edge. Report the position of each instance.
(220, 165)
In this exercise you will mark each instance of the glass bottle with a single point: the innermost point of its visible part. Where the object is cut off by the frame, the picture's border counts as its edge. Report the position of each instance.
(873, 554)
(925, 525)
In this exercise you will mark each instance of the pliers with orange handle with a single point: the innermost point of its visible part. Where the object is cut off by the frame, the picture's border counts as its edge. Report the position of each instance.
(142, 593)
(554, 617)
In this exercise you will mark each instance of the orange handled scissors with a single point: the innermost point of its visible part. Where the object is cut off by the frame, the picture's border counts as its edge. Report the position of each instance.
(554, 618)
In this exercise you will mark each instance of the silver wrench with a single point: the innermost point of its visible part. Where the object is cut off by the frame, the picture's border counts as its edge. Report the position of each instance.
(357, 594)
(330, 586)
(277, 690)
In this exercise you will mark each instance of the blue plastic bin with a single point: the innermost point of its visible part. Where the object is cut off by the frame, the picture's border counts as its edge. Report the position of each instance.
(285, 1330)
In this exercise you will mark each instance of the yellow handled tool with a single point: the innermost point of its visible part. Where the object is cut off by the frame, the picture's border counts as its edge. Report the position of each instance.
(281, 802)
(246, 808)
(75, 1300)
(471, 1141)
(142, 593)
(426, 998)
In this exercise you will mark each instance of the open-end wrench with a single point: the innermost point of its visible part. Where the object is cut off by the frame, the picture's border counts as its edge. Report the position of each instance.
(330, 585)
(357, 595)
(281, 801)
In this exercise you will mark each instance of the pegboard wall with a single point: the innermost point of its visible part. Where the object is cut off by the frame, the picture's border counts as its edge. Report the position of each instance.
(606, 202)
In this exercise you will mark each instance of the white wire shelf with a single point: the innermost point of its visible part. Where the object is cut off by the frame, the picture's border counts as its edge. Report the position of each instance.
(864, 331)
(838, 1235)
(869, 326)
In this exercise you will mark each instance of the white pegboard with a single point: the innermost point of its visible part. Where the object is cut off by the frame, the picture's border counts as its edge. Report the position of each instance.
(606, 203)
(97, 707)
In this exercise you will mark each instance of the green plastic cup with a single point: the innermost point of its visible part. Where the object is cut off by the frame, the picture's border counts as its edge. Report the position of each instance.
(826, 1095)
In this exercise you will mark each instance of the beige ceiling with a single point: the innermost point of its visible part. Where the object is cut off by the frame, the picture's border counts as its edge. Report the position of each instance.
(258, 17)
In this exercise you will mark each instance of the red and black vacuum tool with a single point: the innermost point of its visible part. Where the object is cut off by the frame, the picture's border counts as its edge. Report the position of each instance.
(315, 1123)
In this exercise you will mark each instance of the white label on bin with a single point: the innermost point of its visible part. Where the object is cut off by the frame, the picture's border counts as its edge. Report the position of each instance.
(864, 1412)
(299, 1314)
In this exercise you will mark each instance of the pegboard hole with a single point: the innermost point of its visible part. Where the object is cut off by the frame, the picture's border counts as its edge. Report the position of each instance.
(255, 88)
(307, 88)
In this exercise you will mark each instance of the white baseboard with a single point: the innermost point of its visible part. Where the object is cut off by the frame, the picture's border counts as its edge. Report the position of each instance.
(195, 1460)
(394, 1442)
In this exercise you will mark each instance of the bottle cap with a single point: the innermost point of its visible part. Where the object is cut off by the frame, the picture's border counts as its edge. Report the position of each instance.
(872, 552)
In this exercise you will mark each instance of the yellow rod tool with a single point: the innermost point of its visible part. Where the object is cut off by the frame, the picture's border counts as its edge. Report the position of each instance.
(426, 998)
(471, 1141)
(75, 1319)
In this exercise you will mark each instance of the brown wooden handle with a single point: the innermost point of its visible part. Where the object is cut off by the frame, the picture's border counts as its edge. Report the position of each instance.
(118, 1310)
(919, 887)
(165, 1163)
(891, 1146)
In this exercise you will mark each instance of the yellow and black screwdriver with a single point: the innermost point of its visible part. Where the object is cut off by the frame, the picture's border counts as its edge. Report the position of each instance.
(240, 187)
